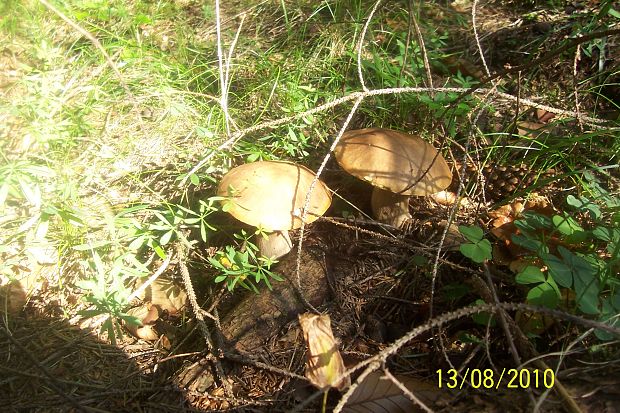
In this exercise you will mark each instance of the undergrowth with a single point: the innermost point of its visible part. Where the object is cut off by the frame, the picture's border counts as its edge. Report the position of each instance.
(94, 170)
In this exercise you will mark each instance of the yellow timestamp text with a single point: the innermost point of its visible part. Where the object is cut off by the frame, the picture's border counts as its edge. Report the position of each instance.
(490, 379)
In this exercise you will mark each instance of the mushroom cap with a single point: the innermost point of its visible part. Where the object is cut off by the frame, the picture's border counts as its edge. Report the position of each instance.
(393, 161)
(271, 194)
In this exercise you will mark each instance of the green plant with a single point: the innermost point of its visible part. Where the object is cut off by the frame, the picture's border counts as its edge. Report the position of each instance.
(106, 291)
(244, 266)
(478, 249)
(172, 222)
(545, 291)
(578, 252)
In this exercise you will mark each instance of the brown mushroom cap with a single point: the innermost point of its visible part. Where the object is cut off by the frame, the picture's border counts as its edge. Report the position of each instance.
(393, 161)
(271, 194)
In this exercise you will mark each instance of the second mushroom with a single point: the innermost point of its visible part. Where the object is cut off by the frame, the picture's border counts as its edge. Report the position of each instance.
(397, 165)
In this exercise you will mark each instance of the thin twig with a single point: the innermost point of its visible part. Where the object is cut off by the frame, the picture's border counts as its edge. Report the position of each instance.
(308, 197)
(360, 45)
(189, 289)
(406, 391)
(151, 279)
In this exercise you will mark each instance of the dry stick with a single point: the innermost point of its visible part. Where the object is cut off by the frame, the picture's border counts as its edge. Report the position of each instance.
(503, 317)
(407, 41)
(51, 379)
(230, 54)
(93, 40)
(307, 203)
(198, 313)
(378, 92)
(220, 58)
(450, 220)
(304, 211)
(406, 391)
(244, 358)
(416, 249)
(427, 66)
(463, 92)
(360, 45)
(151, 279)
(474, 27)
(576, 86)
(560, 389)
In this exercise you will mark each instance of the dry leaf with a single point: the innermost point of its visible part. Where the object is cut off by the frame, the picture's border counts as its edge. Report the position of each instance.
(147, 315)
(502, 224)
(323, 360)
(544, 116)
(531, 129)
(165, 294)
(378, 394)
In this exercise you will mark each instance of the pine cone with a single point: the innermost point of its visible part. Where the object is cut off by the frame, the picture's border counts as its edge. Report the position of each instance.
(503, 181)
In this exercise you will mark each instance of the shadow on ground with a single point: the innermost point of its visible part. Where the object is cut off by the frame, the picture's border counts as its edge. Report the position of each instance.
(49, 365)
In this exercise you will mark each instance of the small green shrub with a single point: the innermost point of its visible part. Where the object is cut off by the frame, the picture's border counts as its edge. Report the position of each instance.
(244, 267)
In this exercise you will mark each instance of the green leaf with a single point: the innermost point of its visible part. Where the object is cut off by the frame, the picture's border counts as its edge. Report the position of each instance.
(528, 243)
(419, 260)
(606, 234)
(159, 251)
(584, 204)
(108, 326)
(544, 295)
(90, 313)
(532, 221)
(472, 233)
(252, 157)
(92, 245)
(553, 285)
(530, 274)
(455, 291)
(4, 191)
(614, 13)
(203, 232)
(137, 243)
(166, 237)
(478, 252)
(587, 291)
(193, 178)
(561, 272)
(577, 264)
(227, 204)
(566, 224)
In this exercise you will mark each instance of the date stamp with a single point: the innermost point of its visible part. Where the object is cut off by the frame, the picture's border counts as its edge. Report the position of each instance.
(489, 379)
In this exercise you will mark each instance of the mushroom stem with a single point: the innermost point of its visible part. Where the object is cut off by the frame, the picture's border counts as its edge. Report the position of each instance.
(390, 208)
(277, 244)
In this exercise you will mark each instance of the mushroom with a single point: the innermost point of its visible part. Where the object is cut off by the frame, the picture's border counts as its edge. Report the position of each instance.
(271, 195)
(395, 164)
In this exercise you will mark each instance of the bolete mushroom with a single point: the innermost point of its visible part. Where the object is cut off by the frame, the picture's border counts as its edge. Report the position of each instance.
(271, 195)
(396, 164)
